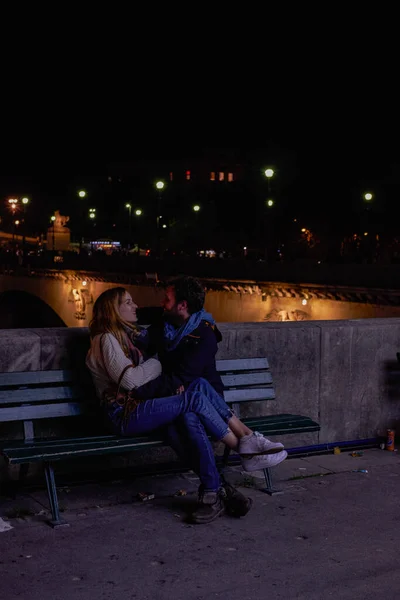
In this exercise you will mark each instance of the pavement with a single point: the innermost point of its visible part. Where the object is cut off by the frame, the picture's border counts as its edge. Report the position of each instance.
(332, 533)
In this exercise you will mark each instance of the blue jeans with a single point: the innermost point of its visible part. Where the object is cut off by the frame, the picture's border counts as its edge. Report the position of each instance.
(182, 434)
(198, 411)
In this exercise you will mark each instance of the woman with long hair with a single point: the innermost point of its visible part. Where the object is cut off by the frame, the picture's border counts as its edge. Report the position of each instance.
(119, 365)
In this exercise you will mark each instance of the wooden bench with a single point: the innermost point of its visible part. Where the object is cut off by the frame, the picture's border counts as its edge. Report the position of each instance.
(39, 395)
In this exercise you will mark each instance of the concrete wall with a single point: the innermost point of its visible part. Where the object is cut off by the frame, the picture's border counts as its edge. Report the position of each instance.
(344, 374)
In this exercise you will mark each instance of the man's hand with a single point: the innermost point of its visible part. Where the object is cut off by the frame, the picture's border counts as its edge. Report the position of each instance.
(180, 389)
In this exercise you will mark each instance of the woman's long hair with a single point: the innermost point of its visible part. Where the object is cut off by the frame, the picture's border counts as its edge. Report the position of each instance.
(106, 317)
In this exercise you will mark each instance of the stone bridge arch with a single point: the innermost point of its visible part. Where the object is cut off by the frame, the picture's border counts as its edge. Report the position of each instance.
(21, 310)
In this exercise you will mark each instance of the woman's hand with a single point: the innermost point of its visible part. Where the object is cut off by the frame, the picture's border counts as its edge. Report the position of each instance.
(180, 389)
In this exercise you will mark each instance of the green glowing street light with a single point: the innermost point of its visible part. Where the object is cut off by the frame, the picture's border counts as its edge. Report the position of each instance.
(138, 212)
(25, 200)
(82, 194)
(52, 218)
(270, 202)
(160, 185)
(196, 208)
(368, 196)
(269, 173)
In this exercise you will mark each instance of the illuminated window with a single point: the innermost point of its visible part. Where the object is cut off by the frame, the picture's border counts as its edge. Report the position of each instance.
(188, 175)
(171, 176)
(221, 176)
(212, 176)
(230, 176)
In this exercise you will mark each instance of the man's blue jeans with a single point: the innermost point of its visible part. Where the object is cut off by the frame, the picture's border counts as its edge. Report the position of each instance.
(198, 412)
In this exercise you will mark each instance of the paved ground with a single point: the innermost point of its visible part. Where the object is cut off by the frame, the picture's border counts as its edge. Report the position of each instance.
(332, 534)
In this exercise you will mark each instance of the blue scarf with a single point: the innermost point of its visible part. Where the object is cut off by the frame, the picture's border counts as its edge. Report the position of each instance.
(173, 336)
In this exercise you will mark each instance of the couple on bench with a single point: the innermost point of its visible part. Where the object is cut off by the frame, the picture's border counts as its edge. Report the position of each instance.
(179, 392)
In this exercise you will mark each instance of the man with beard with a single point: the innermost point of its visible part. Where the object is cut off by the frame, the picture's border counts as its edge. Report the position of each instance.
(186, 339)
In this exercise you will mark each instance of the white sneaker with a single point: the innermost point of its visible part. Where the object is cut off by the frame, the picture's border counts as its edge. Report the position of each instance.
(263, 461)
(256, 443)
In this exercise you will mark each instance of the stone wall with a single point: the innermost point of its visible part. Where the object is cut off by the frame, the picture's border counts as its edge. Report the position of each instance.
(344, 374)
(341, 373)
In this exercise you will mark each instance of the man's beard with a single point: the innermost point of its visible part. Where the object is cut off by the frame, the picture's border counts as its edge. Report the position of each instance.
(173, 318)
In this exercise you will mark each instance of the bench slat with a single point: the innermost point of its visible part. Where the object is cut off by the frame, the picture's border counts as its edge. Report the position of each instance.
(245, 395)
(246, 379)
(17, 452)
(46, 411)
(35, 377)
(39, 394)
(62, 451)
(242, 364)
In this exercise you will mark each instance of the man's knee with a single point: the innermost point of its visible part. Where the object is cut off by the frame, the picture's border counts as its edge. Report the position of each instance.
(190, 419)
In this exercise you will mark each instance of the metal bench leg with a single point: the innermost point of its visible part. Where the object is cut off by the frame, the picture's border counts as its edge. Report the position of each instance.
(269, 489)
(225, 460)
(53, 499)
(23, 472)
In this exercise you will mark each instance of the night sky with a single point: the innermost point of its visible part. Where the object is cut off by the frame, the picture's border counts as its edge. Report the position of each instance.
(323, 163)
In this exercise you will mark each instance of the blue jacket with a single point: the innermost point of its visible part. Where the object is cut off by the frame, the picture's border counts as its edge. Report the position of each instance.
(193, 357)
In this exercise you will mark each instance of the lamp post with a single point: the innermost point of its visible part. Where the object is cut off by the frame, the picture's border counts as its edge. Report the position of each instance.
(53, 219)
(160, 186)
(129, 207)
(16, 223)
(269, 173)
(25, 202)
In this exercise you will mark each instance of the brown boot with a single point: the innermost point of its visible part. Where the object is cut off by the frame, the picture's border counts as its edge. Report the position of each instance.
(211, 505)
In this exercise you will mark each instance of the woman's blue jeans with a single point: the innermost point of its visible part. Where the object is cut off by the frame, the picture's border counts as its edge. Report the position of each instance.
(190, 417)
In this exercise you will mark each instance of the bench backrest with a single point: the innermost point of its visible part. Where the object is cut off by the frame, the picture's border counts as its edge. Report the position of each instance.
(35, 395)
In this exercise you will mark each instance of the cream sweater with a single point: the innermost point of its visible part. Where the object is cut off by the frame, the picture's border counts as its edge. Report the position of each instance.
(116, 361)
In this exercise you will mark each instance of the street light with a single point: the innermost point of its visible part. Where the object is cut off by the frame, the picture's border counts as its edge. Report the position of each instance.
(196, 208)
(82, 194)
(13, 204)
(138, 212)
(268, 174)
(129, 207)
(16, 223)
(270, 202)
(368, 196)
(53, 218)
(25, 200)
(160, 186)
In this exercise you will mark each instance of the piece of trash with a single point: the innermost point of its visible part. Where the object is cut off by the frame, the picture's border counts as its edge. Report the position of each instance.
(4, 526)
(382, 446)
(181, 493)
(28, 556)
(76, 578)
(337, 450)
(302, 468)
(41, 513)
(176, 515)
(143, 496)
(357, 454)
(360, 471)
